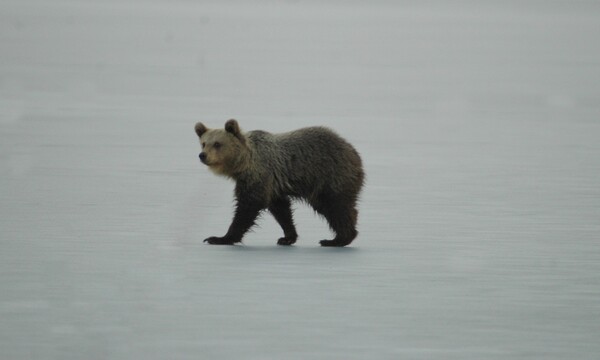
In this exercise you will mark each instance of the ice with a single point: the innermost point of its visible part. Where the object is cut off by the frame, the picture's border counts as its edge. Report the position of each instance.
(478, 123)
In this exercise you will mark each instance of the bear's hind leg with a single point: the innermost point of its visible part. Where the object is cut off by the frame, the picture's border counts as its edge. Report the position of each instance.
(341, 215)
(282, 211)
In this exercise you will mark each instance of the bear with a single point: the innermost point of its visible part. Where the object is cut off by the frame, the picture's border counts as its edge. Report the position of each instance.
(312, 164)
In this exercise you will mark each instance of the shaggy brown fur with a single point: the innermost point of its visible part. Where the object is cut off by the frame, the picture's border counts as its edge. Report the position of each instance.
(313, 164)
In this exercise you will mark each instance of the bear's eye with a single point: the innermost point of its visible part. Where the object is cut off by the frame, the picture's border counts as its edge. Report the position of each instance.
(203, 145)
(217, 145)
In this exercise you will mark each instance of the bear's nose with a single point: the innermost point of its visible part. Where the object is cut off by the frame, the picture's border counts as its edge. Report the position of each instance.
(202, 157)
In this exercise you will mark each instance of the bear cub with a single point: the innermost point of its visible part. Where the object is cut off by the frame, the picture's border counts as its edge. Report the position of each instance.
(312, 164)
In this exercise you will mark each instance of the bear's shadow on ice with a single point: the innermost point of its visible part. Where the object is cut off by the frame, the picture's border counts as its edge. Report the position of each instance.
(316, 249)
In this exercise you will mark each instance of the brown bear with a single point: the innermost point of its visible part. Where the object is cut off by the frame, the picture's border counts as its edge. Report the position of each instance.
(312, 164)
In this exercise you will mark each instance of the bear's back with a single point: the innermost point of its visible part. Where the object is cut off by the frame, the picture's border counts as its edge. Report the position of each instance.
(307, 160)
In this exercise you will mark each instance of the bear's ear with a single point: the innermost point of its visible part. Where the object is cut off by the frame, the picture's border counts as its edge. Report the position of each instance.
(232, 127)
(200, 129)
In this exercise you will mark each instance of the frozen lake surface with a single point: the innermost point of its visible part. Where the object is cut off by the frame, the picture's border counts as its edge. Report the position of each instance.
(479, 127)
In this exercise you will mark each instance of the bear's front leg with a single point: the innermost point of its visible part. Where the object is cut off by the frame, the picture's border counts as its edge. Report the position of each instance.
(282, 211)
(245, 215)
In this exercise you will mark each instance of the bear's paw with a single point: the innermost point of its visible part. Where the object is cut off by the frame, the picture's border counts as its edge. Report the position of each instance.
(215, 240)
(286, 241)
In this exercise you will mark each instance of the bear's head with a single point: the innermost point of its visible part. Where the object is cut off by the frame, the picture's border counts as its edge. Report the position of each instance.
(224, 151)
